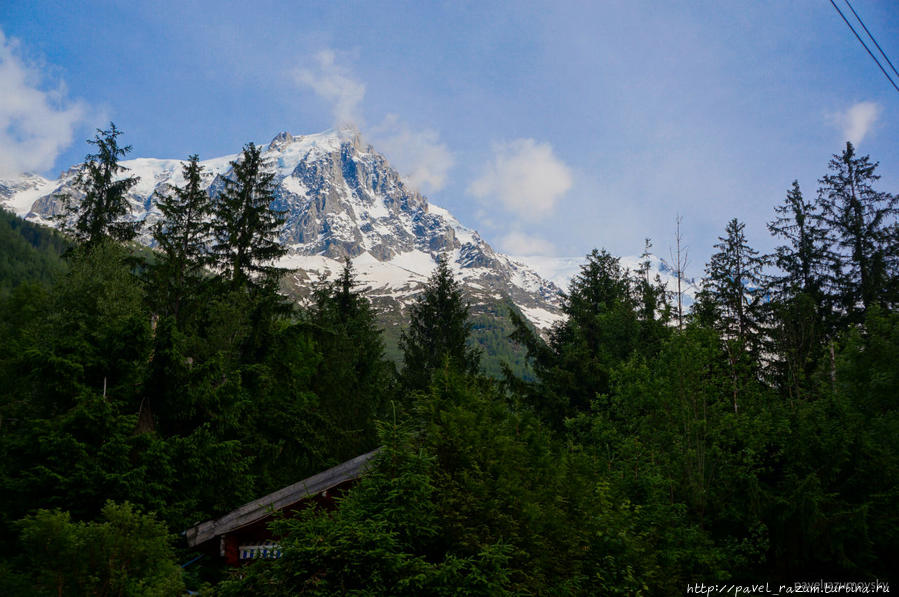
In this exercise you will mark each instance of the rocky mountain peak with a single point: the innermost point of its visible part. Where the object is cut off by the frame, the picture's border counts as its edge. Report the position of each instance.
(342, 199)
(280, 140)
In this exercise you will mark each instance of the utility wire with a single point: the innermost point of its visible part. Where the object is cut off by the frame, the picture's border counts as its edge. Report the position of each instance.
(864, 45)
(882, 53)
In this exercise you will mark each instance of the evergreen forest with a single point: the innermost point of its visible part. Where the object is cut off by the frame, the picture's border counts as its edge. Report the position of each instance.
(751, 438)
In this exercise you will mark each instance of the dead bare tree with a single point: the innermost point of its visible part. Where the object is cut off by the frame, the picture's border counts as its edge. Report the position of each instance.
(679, 258)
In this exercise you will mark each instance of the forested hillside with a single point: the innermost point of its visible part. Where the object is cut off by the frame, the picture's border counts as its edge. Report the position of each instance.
(30, 252)
(755, 439)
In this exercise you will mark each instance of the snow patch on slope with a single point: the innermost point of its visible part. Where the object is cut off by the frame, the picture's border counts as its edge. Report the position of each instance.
(416, 261)
(541, 318)
(25, 193)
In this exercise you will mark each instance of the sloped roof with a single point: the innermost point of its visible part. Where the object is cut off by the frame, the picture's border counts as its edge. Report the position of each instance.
(260, 508)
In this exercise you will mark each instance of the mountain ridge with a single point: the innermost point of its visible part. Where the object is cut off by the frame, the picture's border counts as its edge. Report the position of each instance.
(342, 199)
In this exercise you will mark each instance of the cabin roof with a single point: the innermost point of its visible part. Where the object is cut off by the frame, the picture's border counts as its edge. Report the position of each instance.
(260, 508)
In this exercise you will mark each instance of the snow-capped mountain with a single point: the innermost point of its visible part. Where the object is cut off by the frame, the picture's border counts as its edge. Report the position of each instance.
(342, 199)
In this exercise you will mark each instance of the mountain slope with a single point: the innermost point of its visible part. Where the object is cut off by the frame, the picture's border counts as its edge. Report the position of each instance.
(28, 253)
(342, 199)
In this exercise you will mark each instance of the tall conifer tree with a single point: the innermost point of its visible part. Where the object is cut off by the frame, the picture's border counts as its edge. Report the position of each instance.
(101, 213)
(182, 236)
(735, 282)
(602, 329)
(438, 330)
(802, 311)
(354, 379)
(863, 228)
(734, 277)
(803, 259)
(245, 227)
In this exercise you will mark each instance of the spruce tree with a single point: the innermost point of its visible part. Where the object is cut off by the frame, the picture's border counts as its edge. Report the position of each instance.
(650, 292)
(602, 329)
(182, 236)
(353, 379)
(101, 213)
(735, 282)
(799, 302)
(245, 227)
(803, 259)
(734, 277)
(862, 224)
(438, 330)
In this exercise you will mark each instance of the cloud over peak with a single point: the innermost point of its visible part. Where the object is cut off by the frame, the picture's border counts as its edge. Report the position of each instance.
(522, 244)
(335, 84)
(525, 176)
(35, 124)
(419, 155)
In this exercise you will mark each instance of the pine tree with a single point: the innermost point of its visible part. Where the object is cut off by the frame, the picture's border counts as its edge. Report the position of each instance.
(863, 228)
(245, 227)
(100, 214)
(438, 330)
(182, 236)
(651, 294)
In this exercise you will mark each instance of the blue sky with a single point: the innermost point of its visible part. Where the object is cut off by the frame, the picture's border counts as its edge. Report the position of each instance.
(552, 128)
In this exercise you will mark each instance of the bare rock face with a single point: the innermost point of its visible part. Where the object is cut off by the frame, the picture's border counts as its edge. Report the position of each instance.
(341, 199)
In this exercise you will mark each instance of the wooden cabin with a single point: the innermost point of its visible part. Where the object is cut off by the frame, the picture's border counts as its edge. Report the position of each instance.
(243, 534)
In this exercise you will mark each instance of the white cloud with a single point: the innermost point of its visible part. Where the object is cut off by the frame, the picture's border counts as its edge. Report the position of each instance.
(419, 156)
(35, 125)
(334, 83)
(858, 120)
(526, 177)
(519, 243)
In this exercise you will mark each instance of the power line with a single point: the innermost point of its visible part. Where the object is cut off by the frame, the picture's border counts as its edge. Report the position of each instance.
(864, 45)
(882, 53)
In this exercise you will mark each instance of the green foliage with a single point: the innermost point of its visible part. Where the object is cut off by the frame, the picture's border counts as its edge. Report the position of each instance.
(102, 399)
(610, 315)
(751, 444)
(735, 280)
(479, 500)
(126, 554)
(803, 260)
(842, 517)
(501, 478)
(384, 539)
